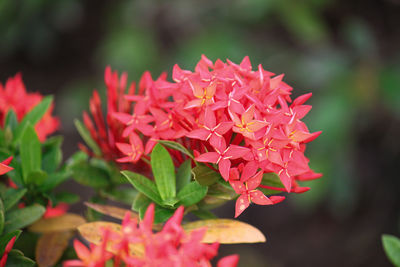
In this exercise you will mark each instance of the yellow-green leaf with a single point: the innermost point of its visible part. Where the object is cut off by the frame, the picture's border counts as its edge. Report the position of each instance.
(65, 222)
(50, 247)
(226, 231)
(92, 232)
(115, 212)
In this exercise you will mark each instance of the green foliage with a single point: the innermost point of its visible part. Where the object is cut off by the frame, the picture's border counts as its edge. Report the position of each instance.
(192, 193)
(33, 117)
(144, 185)
(164, 172)
(16, 258)
(31, 156)
(13, 196)
(21, 218)
(391, 244)
(184, 175)
(176, 146)
(85, 134)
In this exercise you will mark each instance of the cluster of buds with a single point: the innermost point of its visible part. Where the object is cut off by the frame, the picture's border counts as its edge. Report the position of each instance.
(172, 246)
(238, 121)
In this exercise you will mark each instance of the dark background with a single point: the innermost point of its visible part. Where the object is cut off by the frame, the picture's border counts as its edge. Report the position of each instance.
(345, 52)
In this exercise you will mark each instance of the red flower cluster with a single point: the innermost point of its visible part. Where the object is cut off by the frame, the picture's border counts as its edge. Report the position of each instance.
(106, 132)
(170, 247)
(14, 96)
(239, 121)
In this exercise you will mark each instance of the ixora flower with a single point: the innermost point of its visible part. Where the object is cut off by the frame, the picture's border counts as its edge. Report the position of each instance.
(13, 96)
(170, 247)
(227, 114)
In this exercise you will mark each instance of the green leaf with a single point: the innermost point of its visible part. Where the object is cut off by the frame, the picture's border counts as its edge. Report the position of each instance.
(192, 193)
(184, 175)
(391, 244)
(160, 214)
(204, 214)
(164, 172)
(85, 134)
(144, 185)
(17, 259)
(54, 179)
(20, 218)
(36, 177)
(1, 216)
(67, 197)
(176, 146)
(12, 196)
(31, 156)
(204, 175)
(11, 120)
(88, 175)
(52, 154)
(16, 174)
(4, 239)
(33, 116)
(140, 201)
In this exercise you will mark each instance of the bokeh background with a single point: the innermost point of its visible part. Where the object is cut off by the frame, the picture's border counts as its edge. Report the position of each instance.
(345, 52)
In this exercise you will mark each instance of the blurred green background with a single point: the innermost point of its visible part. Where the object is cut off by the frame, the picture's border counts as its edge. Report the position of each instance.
(345, 52)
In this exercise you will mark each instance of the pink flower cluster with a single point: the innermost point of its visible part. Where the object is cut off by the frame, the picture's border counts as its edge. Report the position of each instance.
(169, 248)
(238, 121)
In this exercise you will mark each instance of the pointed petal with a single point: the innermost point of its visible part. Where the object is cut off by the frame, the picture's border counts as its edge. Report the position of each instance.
(122, 117)
(224, 166)
(208, 157)
(242, 203)
(259, 198)
(209, 118)
(193, 104)
(228, 261)
(285, 179)
(81, 250)
(210, 90)
(4, 168)
(276, 199)
(201, 134)
(238, 186)
(301, 99)
(249, 170)
(148, 219)
(224, 127)
(255, 181)
(236, 152)
(248, 115)
(196, 89)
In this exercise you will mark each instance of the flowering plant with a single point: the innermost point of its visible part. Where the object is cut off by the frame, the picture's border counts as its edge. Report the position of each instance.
(223, 132)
